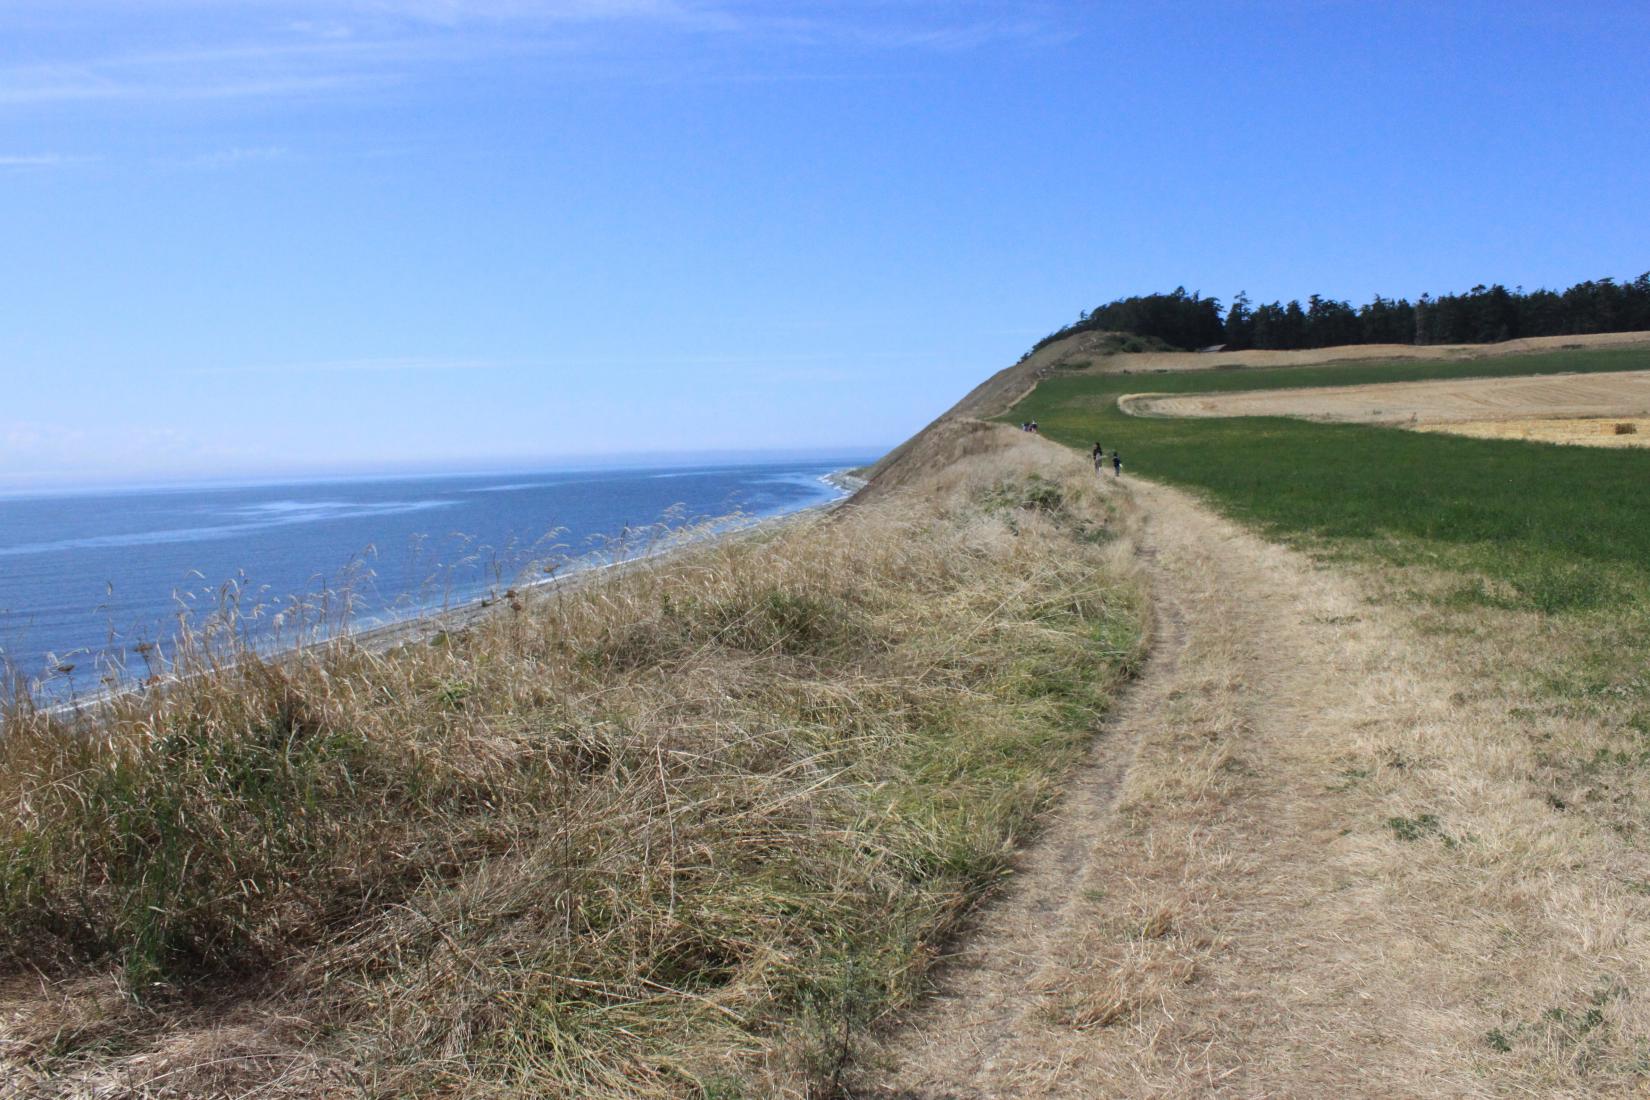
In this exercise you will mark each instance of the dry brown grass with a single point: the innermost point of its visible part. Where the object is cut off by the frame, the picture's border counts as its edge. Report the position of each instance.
(1571, 396)
(1414, 869)
(1361, 846)
(682, 832)
(1408, 850)
(1075, 347)
(1612, 431)
(1534, 769)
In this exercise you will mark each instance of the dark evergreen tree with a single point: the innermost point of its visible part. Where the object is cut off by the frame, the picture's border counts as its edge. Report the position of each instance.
(1329, 323)
(1266, 327)
(1294, 327)
(1239, 327)
(1426, 326)
(1484, 314)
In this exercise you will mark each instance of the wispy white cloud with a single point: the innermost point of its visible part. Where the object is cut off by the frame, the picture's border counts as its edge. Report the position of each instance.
(121, 81)
(238, 155)
(455, 12)
(715, 359)
(386, 365)
(296, 48)
(41, 160)
(224, 70)
(924, 27)
(327, 30)
(798, 365)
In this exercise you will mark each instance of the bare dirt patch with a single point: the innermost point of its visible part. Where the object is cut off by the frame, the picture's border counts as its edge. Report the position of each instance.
(1567, 408)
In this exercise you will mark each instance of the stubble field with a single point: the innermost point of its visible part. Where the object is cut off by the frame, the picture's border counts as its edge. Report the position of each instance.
(1581, 409)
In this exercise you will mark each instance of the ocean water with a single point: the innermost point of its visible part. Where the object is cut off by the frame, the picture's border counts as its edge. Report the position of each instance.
(90, 582)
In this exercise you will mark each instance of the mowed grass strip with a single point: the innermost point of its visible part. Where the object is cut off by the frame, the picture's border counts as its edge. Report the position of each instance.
(1535, 526)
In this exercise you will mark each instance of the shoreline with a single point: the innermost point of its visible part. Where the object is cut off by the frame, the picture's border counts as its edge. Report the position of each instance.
(419, 626)
(423, 625)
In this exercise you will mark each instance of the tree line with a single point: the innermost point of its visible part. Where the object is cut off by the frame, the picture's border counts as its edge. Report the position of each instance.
(1482, 315)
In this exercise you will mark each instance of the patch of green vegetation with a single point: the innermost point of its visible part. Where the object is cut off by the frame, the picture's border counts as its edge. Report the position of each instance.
(1419, 827)
(453, 693)
(1530, 526)
(1032, 494)
(1559, 1025)
(156, 900)
(1093, 525)
(1127, 343)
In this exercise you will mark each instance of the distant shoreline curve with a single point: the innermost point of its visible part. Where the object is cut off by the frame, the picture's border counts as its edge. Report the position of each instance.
(427, 624)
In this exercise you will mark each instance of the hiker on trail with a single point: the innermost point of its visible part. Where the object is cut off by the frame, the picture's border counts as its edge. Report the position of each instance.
(1034, 427)
(1099, 456)
(1116, 464)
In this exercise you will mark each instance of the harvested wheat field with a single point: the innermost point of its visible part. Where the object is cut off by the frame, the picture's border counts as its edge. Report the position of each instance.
(1567, 408)
(1086, 344)
(1605, 431)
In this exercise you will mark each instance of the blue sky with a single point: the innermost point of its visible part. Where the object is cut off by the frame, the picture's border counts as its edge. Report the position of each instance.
(284, 237)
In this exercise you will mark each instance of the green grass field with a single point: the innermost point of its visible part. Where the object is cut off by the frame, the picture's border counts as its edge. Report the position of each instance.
(1529, 525)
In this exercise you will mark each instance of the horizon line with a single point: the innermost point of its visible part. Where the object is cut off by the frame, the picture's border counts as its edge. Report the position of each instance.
(548, 464)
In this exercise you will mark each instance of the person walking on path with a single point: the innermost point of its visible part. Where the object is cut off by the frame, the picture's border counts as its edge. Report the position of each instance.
(1099, 456)
(1116, 464)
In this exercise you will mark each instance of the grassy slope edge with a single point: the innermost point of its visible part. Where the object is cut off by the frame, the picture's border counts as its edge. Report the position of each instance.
(683, 833)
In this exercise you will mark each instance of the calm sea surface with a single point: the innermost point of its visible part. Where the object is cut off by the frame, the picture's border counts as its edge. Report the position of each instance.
(85, 579)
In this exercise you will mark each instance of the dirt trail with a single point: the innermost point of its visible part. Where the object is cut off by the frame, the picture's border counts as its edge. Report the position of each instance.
(1213, 910)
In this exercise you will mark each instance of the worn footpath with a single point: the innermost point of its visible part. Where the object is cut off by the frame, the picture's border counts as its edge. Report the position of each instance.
(1303, 861)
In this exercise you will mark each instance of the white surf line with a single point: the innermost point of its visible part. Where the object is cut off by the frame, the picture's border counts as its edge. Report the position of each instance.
(423, 625)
